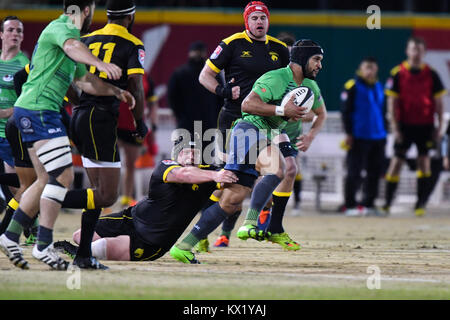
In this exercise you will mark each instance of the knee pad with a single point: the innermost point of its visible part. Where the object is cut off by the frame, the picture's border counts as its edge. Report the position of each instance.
(54, 191)
(287, 150)
(55, 156)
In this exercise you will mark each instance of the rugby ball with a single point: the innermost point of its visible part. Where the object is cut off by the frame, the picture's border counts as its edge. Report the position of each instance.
(304, 97)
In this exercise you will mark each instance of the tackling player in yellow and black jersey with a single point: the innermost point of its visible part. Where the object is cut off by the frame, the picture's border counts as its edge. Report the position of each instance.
(178, 190)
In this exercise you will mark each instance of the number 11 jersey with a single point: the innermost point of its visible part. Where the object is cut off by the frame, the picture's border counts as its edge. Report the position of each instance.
(113, 44)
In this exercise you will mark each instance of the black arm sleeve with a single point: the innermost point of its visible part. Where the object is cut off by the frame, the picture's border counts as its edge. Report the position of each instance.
(19, 79)
(347, 107)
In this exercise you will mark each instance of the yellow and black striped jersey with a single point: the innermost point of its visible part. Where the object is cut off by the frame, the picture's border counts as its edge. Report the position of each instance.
(245, 60)
(113, 44)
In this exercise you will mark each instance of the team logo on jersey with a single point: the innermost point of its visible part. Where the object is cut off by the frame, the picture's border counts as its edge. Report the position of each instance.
(216, 53)
(142, 57)
(169, 162)
(138, 253)
(263, 90)
(274, 56)
(246, 54)
(344, 96)
(8, 78)
(195, 187)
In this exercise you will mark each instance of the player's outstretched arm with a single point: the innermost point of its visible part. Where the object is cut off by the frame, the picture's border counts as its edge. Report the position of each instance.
(77, 51)
(92, 84)
(197, 175)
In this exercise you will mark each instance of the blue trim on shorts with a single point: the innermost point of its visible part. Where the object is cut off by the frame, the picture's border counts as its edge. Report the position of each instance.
(39, 125)
(6, 152)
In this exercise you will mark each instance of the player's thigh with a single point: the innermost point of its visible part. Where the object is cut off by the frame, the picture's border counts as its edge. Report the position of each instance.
(96, 135)
(118, 248)
(39, 169)
(115, 224)
(271, 161)
(423, 139)
(26, 176)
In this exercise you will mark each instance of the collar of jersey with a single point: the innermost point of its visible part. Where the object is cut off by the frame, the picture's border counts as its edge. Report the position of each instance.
(246, 37)
(113, 26)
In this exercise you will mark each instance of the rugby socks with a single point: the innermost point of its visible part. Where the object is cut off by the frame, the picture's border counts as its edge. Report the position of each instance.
(260, 195)
(33, 230)
(423, 186)
(44, 238)
(280, 200)
(391, 188)
(188, 242)
(229, 223)
(212, 200)
(88, 223)
(12, 206)
(297, 187)
(19, 221)
(79, 199)
(99, 249)
(211, 218)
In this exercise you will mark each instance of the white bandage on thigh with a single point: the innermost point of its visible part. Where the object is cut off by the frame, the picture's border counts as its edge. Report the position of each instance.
(55, 192)
(89, 163)
(55, 154)
(98, 248)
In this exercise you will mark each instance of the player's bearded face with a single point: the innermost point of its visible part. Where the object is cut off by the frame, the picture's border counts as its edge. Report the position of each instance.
(189, 157)
(313, 66)
(258, 24)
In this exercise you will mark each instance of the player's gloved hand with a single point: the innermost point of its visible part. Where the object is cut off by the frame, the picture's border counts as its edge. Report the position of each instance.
(228, 91)
(141, 128)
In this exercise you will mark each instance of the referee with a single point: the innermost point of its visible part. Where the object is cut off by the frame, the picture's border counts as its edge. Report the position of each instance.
(415, 94)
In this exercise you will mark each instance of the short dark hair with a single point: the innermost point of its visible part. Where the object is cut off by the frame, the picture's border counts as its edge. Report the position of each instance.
(369, 59)
(80, 3)
(8, 18)
(417, 40)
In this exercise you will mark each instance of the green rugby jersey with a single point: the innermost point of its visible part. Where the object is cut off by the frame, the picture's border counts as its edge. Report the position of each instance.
(272, 87)
(51, 70)
(8, 97)
(294, 129)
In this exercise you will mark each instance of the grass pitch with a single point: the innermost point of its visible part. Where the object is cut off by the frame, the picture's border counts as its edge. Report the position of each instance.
(412, 255)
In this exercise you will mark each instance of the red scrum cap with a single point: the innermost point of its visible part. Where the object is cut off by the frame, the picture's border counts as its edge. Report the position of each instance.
(253, 7)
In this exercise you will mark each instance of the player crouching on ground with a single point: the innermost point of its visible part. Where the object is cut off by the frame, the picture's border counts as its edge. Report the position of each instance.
(178, 190)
